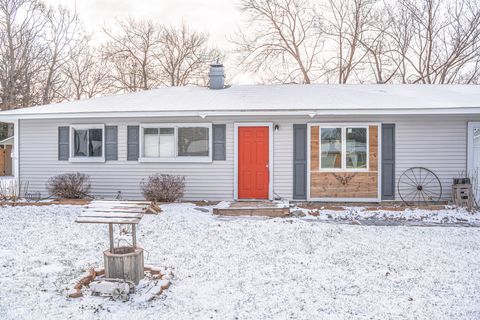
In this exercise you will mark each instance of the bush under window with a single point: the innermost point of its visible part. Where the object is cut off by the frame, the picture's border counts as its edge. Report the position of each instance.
(163, 188)
(69, 185)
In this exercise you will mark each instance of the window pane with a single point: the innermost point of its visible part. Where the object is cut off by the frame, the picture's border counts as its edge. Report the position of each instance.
(331, 146)
(95, 142)
(193, 142)
(80, 143)
(158, 142)
(150, 142)
(150, 130)
(167, 142)
(356, 148)
(166, 131)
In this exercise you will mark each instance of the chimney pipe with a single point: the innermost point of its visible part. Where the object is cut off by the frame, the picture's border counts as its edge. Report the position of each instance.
(217, 76)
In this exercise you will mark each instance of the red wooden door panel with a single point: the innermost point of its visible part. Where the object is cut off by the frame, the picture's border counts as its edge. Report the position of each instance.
(253, 171)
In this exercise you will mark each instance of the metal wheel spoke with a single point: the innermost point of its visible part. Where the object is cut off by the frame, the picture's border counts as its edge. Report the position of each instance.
(410, 193)
(435, 195)
(413, 172)
(430, 181)
(425, 178)
(411, 180)
(419, 201)
(428, 197)
(432, 192)
(411, 185)
(423, 196)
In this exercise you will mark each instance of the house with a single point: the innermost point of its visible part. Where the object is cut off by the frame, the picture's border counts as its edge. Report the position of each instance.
(302, 142)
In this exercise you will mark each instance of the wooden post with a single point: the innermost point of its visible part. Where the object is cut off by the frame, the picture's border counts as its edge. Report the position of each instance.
(134, 236)
(110, 233)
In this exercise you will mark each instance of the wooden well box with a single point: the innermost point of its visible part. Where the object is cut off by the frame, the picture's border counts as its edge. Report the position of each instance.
(124, 263)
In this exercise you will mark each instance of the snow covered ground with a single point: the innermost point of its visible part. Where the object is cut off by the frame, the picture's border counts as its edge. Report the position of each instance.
(401, 216)
(244, 268)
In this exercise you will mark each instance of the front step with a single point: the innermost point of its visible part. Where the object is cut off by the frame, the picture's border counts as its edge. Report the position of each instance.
(257, 208)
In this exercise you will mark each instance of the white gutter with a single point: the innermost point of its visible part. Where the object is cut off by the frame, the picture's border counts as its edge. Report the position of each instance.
(204, 114)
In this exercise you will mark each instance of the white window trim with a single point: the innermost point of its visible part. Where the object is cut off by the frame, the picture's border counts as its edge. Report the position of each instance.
(470, 157)
(73, 127)
(176, 158)
(343, 128)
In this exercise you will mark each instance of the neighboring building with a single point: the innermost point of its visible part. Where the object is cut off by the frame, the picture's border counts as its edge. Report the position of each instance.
(6, 152)
(313, 142)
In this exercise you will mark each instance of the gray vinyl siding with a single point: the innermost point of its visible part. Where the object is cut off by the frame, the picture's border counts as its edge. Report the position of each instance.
(212, 181)
(436, 142)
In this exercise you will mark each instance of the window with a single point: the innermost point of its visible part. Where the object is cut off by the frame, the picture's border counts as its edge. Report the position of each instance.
(179, 142)
(356, 148)
(159, 142)
(331, 148)
(193, 142)
(87, 143)
(344, 148)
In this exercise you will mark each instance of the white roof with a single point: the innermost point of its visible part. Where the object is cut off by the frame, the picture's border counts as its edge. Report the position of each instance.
(285, 99)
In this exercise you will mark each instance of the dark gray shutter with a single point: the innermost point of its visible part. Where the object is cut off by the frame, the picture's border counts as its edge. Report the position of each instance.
(111, 143)
(300, 161)
(388, 161)
(63, 143)
(219, 142)
(133, 136)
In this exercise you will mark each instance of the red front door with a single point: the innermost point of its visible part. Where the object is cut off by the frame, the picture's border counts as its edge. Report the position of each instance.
(253, 171)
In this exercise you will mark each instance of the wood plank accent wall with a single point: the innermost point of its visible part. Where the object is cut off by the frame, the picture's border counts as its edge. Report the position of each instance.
(2, 161)
(343, 184)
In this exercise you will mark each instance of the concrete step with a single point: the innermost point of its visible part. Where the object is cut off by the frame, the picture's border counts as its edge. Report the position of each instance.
(257, 208)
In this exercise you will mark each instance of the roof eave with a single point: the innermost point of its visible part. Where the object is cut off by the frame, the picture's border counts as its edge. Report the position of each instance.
(211, 113)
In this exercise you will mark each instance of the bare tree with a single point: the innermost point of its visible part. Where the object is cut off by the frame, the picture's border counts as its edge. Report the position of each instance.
(38, 43)
(399, 36)
(131, 52)
(347, 24)
(21, 27)
(282, 38)
(87, 75)
(184, 56)
(443, 40)
(65, 38)
(382, 51)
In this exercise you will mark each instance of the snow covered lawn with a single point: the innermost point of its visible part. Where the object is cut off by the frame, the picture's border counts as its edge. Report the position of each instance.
(381, 216)
(244, 268)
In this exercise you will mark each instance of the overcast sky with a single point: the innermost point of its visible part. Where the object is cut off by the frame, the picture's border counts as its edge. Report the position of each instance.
(219, 18)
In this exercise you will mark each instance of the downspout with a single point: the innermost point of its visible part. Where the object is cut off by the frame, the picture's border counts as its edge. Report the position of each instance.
(16, 155)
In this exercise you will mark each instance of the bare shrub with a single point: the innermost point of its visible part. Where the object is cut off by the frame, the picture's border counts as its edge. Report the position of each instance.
(69, 185)
(163, 187)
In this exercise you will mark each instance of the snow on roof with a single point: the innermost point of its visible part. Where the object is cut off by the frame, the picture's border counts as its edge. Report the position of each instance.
(266, 99)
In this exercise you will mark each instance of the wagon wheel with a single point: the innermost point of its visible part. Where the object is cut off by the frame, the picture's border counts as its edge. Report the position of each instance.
(419, 185)
(119, 294)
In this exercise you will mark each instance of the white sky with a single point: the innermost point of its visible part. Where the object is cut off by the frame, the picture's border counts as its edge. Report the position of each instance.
(219, 18)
